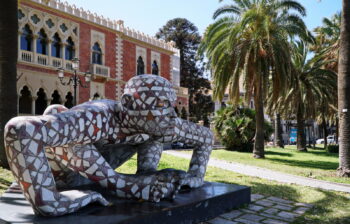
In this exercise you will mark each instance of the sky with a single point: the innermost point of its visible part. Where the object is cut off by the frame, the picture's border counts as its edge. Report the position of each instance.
(149, 15)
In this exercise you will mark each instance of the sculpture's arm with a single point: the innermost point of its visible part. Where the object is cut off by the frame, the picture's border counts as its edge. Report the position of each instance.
(202, 139)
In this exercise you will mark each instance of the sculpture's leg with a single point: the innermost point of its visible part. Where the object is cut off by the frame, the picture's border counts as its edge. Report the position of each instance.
(24, 139)
(148, 156)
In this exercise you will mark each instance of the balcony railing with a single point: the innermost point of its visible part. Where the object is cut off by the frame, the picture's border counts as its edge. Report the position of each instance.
(42, 59)
(26, 56)
(56, 62)
(68, 65)
(100, 70)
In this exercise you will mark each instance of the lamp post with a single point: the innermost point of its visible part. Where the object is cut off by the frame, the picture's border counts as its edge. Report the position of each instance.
(74, 80)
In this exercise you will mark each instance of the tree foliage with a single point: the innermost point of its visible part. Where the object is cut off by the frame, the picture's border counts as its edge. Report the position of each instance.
(235, 127)
(249, 42)
(187, 39)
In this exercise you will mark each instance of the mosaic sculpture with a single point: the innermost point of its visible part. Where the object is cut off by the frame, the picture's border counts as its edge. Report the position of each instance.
(51, 154)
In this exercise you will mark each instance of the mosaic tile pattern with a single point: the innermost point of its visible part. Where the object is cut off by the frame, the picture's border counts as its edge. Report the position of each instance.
(50, 152)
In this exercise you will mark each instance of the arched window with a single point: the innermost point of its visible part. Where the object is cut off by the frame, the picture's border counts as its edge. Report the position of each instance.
(56, 46)
(70, 49)
(25, 101)
(41, 102)
(140, 66)
(56, 98)
(26, 38)
(69, 100)
(41, 46)
(155, 69)
(96, 54)
(96, 96)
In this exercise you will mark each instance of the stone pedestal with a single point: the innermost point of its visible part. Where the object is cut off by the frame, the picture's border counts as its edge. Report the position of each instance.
(190, 206)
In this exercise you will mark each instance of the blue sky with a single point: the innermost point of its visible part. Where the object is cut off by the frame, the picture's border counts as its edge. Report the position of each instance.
(149, 15)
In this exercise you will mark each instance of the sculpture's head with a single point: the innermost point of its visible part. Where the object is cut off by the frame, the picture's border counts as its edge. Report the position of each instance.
(149, 101)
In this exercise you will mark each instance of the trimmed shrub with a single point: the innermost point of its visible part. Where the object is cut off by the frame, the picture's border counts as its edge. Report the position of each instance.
(333, 148)
(235, 127)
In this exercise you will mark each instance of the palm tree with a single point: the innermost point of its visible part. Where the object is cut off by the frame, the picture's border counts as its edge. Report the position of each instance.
(327, 47)
(251, 44)
(344, 92)
(8, 71)
(328, 40)
(310, 85)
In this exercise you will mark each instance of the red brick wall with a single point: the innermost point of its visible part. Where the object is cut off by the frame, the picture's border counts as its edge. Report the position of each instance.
(129, 60)
(149, 63)
(110, 89)
(165, 66)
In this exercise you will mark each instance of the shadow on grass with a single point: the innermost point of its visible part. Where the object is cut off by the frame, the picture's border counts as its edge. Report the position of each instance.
(323, 153)
(279, 153)
(323, 165)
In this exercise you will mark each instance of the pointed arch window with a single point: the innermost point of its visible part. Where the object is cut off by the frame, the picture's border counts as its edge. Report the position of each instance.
(140, 66)
(25, 101)
(56, 46)
(70, 49)
(56, 98)
(96, 54)
(69, 100)
(41, 102)
(26, 38)
(41, 46)
(155, 69)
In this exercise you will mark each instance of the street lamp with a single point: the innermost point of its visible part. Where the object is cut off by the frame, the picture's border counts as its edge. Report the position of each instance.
(74, 80)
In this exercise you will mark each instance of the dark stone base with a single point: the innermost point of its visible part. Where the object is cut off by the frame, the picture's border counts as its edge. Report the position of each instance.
(191, 206)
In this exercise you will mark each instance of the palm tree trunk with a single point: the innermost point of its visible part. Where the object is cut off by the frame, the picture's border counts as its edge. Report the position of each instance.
(258, 151)
(344, 92)
(278, 140)
(8, 70)
(301, 138)
(324, 127)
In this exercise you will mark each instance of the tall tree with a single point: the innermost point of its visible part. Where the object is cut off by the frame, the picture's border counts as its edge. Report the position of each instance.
(344, 92)
(8, 70)
(327, 48)
(187, 39)
(309, 86)
(251, 44)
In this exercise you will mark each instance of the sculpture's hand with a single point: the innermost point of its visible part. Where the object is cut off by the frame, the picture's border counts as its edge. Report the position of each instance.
(192, 181)
(153, 186)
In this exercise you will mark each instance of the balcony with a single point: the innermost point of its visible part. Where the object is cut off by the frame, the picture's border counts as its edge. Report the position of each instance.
(100, 70)
(68, 65)
(42, 59)
(26, 56)
(56, 62)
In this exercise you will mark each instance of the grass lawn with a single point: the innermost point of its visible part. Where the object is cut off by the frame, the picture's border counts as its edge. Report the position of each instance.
(330, 207)
(316, 163)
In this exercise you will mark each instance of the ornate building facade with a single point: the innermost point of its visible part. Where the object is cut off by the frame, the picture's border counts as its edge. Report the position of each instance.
(52, 33)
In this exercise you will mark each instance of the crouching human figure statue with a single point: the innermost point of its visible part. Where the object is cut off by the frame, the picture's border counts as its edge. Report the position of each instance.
(62, 149)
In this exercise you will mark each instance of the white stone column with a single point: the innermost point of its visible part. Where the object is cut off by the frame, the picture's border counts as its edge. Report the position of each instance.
(49, 51)
(35, 38)
(63, 51)
(33, 104)
(19, 46)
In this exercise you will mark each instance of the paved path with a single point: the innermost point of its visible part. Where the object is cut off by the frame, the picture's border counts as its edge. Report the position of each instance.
(269, 174)
(263, 210)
